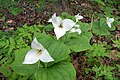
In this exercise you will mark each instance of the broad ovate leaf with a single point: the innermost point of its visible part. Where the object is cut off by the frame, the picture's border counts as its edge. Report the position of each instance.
(84, 26)
(100, 27)
(59, 71)
(79, 43)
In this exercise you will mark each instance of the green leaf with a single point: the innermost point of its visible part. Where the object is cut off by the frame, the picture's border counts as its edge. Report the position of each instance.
(59, 71)
(101, 28)
(81, 43)
(84, 26)
(15, 10)
(59, 51)
(103, 70)
(99, 51)
(65, 15)
(12, 45)
(100, 2)
(48, 27)
(5, 71)
(98, 29)
(117, 42)
(20, 68)
(3, 18)
(118, 55)
(2, 43)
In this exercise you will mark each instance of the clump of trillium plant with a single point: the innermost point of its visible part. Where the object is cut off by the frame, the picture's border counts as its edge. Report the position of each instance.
(62, 26)
(38, 52)
(48, 56)
(59, 64)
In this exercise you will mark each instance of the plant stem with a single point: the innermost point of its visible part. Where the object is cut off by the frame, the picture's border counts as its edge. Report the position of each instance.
(92, 21)
(45, 65)
(38, 64)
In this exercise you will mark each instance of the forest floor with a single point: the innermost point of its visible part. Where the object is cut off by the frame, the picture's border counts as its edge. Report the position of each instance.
(31, 16)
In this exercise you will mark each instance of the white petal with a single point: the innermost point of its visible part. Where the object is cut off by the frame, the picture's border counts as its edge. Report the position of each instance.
(78, 17)
(79, 31)
(110, 20)
(50, 20)
(59, 32)
(73, 30)
(53, 16)
(76, 30)
(36, 45)
(56, 22)
(68, 24)
(45, 56)
(109, 24)
(31, 57)
(77, 26)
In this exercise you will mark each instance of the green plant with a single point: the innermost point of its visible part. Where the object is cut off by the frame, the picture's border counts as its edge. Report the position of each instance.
(98, 50)
(11, 5)
(14, 46)
(117, 42)
(103, 70)
(100, 27)
(96, 57)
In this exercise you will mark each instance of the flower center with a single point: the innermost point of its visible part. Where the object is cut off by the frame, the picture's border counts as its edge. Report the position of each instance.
(39, 51)
(76, 27)
(61, 26)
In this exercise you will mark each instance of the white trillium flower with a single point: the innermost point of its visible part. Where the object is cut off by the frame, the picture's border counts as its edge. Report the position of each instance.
(38, 52)
(76, 29)
(109, 21)
(61, 26)
(56, 21)
(78, 17)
